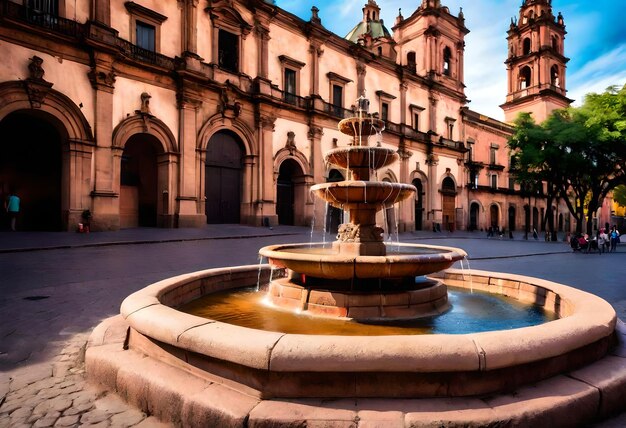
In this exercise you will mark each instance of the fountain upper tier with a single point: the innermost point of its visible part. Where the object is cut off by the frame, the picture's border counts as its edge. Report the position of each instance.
(360, 160)
(361, 126)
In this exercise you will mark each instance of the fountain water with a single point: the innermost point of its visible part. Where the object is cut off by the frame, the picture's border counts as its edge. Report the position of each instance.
(357, 277)
(195, 371)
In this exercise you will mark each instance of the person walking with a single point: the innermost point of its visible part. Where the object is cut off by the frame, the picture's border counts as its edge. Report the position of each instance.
(603, 241)
(13, 209)
(614, 236)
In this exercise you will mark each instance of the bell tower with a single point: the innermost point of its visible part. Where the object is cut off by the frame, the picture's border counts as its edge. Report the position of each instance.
(536, 63)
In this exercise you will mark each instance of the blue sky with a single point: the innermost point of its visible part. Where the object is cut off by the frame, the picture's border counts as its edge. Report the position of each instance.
(595, 41)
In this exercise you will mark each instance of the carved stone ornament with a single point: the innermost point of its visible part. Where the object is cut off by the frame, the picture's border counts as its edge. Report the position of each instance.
(35, 68)
(35, 85)
(291, 142)
(349, 232)
(229, 105)
(145, 103)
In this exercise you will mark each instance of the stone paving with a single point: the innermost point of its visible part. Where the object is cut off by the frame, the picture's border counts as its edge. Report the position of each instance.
(46, 387)
(55, 394)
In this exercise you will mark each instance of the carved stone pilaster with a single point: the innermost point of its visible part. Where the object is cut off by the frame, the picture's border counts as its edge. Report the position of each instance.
(102, 80)
(267, 122)
(315, 132)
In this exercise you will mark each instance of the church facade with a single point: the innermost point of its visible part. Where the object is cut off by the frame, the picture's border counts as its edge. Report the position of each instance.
(187, 112)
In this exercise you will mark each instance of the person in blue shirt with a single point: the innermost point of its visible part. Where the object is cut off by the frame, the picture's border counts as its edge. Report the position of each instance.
(13, 208)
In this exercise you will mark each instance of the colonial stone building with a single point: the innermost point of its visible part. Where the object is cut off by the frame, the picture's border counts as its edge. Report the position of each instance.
(175, 113)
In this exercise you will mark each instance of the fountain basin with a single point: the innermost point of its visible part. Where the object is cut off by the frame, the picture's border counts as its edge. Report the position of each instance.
(199, 372)
(327, 263)
(358, 194)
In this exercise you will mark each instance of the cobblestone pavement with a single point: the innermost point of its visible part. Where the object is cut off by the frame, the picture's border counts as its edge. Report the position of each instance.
(51, 300)
(55, 394)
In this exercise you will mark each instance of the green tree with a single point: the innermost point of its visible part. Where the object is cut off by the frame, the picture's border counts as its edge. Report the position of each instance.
(579, 153)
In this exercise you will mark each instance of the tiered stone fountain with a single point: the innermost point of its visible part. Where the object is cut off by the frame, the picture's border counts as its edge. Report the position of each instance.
(356, 278)
(195, 371)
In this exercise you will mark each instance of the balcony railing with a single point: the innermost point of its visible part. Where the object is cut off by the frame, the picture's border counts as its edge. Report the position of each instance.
(40, 19)
(144, 55)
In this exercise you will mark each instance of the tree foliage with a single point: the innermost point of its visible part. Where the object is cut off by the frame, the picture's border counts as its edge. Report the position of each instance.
(579, 153)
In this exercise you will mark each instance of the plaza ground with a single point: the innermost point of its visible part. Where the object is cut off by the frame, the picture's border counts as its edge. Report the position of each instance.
(56, 287)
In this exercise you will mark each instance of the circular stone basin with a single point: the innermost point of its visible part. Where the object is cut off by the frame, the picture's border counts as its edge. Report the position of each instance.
(364, 126)
(361, 156)
(269, 364)
(354, 194)
(402, 260)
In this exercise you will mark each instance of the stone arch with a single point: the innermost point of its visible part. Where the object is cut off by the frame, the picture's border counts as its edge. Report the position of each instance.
(475, 208)
(495, 214)
(420, 181)
(244, 136)
(142, 123)
(219, 123)
(389, 175)
(448, 202)
(150, 138)
(37, 98)
(15, 96)
(291, 153)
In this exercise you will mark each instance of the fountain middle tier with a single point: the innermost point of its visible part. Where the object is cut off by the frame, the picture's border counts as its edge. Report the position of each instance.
(368, 195)
(401, 261)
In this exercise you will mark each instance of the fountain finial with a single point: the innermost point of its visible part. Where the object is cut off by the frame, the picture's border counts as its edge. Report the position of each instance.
(363, 104)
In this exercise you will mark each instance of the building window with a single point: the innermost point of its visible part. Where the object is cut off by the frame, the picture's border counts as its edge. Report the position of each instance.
(145, 26)
(384, 100)
(145, 36)
(450, 128)
(384, 112)
(337, 100)
(470, 149)
(49, 7)
(492, 155)
(411, 63)
(525, 77)
(494, 181)
(526, 46)
(291, 78)
(416, 111)
(228, 51)
(554, 76)
(290, 85)
(447, 58)
(337, 86)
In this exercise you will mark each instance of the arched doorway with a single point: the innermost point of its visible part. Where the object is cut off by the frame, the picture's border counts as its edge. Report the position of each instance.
(334, 216)
(223, 178)
(31, 164)
(494, 214)
(419, 203)
(512, 225)
(138, 182)
(287, 182)
(448, 190)
(474, 213)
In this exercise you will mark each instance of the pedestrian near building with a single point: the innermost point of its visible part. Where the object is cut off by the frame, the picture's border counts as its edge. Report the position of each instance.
(614, 236)
(12, 206)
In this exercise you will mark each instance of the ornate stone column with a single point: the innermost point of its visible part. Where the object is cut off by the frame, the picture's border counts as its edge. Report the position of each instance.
(316, 159)
(265, 137)
(106, 179)
(189, 202)
(406, 205)
(433, 199)
(189, 26)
